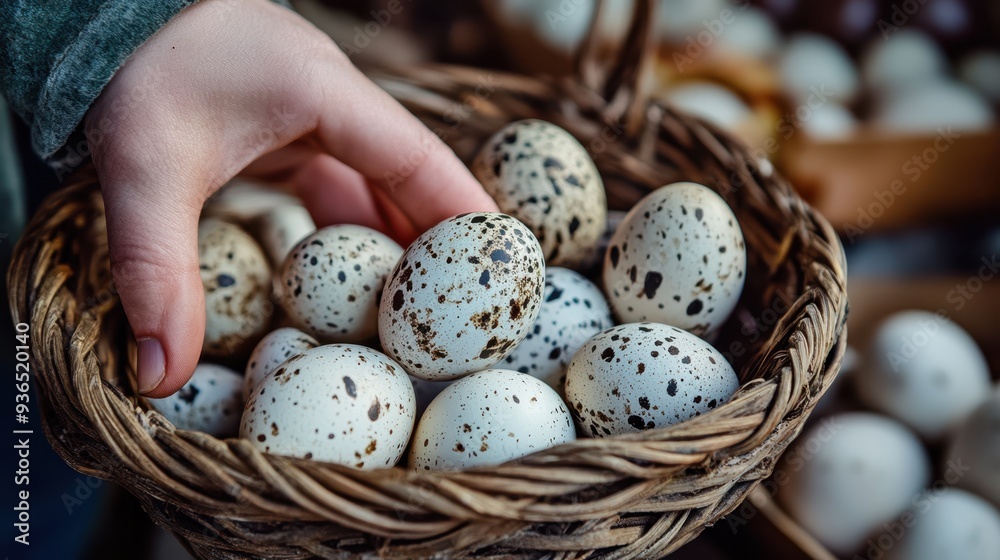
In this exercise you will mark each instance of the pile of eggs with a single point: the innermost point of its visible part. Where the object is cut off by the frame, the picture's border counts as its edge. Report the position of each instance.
(484, 340)
(915, 473)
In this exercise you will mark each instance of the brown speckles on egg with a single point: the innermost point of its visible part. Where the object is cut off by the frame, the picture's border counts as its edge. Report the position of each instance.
(547, 180)
(481, 279)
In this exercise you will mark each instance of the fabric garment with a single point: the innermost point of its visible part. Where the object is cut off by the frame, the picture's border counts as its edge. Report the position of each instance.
(57, 56)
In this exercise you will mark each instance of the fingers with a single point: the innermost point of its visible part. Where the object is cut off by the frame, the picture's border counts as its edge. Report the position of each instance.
(153, 243)
(336, 194)
(365, 128)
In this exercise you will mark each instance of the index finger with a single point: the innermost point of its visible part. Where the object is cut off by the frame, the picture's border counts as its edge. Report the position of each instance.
(370, 131)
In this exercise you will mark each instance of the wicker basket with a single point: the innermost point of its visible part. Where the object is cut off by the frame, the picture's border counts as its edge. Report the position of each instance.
(637, 496)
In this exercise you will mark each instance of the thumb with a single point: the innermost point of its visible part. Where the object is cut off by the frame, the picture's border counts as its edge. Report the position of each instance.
(153, 245)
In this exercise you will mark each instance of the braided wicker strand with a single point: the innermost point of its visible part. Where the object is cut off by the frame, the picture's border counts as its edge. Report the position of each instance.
(635, 496)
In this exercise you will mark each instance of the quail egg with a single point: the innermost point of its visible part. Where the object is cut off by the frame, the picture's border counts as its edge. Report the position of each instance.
(237, 282)
(945, 523)
(573, 310)
(281, 228)
(641, 376)
(678, 258)
(849, 474)
(276, 347)
(924, 370)
(331, 282)
(462, 297)
(210, 402)
(489, 418)
(339, 403)
(539, 174)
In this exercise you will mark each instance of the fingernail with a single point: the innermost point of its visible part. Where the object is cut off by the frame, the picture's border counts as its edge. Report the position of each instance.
(152, 364)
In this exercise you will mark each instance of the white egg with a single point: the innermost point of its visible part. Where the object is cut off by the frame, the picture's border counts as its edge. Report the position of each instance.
(924, 370)
(711, 102)
(210, 402)
(237, 282)
(943, 524)
(489, 418)
(243, 201)
(331, 281)
(813, 67)
(750, 32)
(462, 297)
(573, 310)
(934, 105)
(830, 121)
(976, 449)
(541, 175)
(908, 58)
(642, 376)
(849, 474)
(678, 258)
(339, 403)
(981, 70)
(281, 228)
(276, 347)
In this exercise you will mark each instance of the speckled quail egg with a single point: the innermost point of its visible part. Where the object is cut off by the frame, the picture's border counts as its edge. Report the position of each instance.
(276, 347)
(678, 258)
(464, 294)
(642, 376)
(944, 523)
(975, 448)
(281, 228)
(210, 402)
(849, 474)
(712, 102)
(237, 281)
(573, 310)
(924, 370)
(539, 174)
(489, 418)
(596, 256)
(331, 282)
(340, 403)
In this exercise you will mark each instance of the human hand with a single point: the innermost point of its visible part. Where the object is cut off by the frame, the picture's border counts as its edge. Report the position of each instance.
(248, 86)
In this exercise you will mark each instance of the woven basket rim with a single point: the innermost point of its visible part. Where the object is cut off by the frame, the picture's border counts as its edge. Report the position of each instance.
(652, 491)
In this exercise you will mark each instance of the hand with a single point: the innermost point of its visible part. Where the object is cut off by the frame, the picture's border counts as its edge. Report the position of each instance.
(226, 86)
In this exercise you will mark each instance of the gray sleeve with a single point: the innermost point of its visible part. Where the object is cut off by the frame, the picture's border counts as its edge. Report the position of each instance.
(57, 56)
